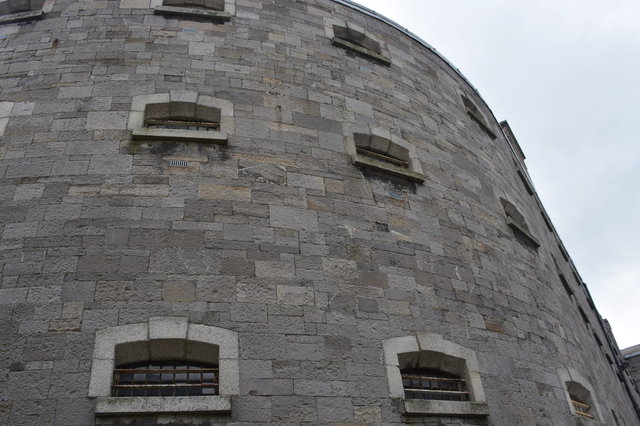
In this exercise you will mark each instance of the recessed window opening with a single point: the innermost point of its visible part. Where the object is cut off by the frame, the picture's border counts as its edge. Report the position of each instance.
(422, 383)
(199, 4)
(17, 6)
(382, 156)
(156, 123)
(583, 315)
(581, 408)
(581, 400)
(474, 112)
(566, 285)
(165, 378)
(356, 37)
(525, 182)
(181, 115)
(517, 223)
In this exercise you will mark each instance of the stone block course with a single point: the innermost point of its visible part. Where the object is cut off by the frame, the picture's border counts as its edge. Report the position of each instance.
(276, 235)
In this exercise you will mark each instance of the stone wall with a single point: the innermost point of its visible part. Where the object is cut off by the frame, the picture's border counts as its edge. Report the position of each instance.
(270, 231)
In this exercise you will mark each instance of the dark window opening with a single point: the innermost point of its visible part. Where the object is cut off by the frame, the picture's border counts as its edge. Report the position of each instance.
(357, 38)
(517, 223)
(583, 315)
(474, 112)
(597, 339)
(155, 123)
(182, 116)
(359, 43)
(563, 252)
(566, 285)
(434, 385)
(166, 378)
(525, 182)
(20, 10)
(546, 221)
(202, 4)
(382, 156)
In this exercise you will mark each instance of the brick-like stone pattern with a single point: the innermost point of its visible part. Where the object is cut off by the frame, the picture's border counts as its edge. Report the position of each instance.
(276, 236)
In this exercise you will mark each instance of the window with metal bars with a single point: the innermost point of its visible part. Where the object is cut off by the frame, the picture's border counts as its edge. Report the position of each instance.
(434, 385)
(382, 156)
(156, 123)
(172, 378)
(581, 409)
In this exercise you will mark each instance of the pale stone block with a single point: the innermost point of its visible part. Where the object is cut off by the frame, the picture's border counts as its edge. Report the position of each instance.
(295, 295)
(183, 95)
(168, 327)
(224, 192)
(3, 125)
(396, 388)
(106, 120)
(101, 374)
(134, 4)
(136, 120)
(293, 218)
(200, 48)
(265, 268)
(163, 404)
(229, 377)
(5, 109)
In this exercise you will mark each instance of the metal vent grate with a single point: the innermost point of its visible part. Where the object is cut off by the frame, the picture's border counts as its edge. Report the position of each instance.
(179, 163)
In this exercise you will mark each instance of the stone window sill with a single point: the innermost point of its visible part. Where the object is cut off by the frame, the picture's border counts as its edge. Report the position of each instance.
(370, 163)
(21, 16)
(192, 12)
(423, 407)
(144, 133)
(109, 406)
(361, 50)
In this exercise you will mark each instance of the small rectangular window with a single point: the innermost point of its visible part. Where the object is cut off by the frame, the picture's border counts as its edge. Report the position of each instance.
(566, 285)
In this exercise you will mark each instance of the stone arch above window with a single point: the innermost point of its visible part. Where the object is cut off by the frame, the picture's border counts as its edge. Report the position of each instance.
(518, 224)
(164, 339)
(23, 10)
(181, 116)
(387, 153)
(214, 10)
(430, 352)
(355, 38)
(580, 395)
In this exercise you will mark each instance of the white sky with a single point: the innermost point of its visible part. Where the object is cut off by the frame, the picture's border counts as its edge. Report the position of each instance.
(566, 75)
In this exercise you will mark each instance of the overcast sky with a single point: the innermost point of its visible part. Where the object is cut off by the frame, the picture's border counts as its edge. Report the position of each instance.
(565, 74)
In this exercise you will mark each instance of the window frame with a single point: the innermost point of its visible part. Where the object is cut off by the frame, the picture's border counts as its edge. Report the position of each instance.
(136, 122)
(142, 335)
(569, 376)
(414, 170)
(381, 57)
(187, 12)
(434, 343)
(31, 14)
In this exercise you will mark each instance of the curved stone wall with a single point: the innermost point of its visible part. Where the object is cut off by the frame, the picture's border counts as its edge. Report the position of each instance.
(329, 269)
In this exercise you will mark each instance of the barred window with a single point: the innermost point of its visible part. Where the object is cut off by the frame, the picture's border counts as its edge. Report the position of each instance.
(581, 409)
(382, 156)
(434, 385)
(182, 124)
(167, 378)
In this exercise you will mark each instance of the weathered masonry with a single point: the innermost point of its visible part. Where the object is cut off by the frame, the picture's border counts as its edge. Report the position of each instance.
(274, 212)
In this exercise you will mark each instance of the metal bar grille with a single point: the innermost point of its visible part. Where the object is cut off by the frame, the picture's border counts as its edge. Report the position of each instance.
(382, 157)
(582, 409)
(434, 387)
(155, 123)
(165, 380)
